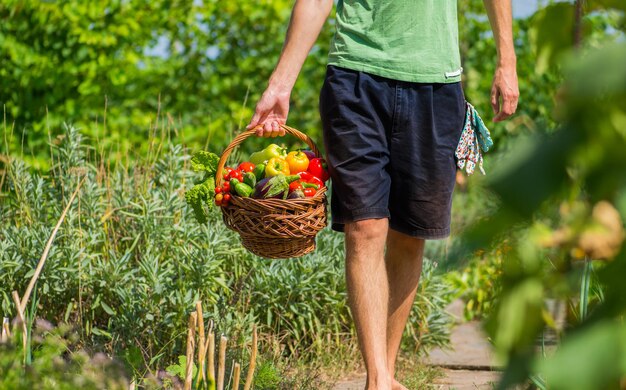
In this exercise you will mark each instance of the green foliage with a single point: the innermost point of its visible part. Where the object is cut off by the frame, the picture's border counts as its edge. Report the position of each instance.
(130, 261)
(179, 369)
(267, 377)
(478, 284)
(561, 201)
(548, 51)
(203, 192)
(58, 363)
(199, 65)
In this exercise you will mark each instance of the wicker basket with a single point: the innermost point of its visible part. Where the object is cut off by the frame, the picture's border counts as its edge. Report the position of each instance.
(275, 228)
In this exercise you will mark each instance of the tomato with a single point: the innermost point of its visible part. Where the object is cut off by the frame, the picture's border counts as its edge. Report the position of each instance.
(227, 172)
(226, 187)
(295, 185)
(226, 198)
(298, 162)
(218, 199)
(236, 174)
(319, 169)
(246, 167)
(309, 192)
(218, 190)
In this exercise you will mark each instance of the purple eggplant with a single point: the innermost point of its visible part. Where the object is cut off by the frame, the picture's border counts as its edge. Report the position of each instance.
(297, 194)
(274, 187)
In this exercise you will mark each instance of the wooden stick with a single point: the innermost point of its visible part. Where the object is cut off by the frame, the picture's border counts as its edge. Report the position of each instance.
(252, 365)
(211, 357)
(201, 346)
(6, 333)
(221, 368)
(46, 250)
(20, 316)
(236, 376)
(191, 338)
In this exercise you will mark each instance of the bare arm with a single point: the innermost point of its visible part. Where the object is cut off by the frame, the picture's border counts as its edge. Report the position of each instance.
(307, 19)
(504, 91)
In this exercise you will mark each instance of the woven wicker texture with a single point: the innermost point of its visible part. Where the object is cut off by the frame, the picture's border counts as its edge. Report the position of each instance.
(275, 228)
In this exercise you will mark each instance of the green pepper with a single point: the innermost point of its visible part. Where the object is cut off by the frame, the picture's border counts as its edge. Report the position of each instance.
(270, 151)
(242, 189)
(249, 179)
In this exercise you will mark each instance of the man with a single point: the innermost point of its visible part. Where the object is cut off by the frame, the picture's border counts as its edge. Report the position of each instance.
(392, 109)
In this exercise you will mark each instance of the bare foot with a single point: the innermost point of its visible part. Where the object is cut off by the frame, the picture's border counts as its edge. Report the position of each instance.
(397, 386)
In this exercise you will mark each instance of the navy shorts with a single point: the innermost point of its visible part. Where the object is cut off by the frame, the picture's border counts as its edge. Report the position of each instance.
(390, 150)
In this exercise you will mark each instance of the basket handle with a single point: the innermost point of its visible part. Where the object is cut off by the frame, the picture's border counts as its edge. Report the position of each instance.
(248, 133)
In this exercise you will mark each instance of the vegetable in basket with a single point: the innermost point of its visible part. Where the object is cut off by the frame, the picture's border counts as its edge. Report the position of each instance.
(297, 194)
(202, 193)
(249, 179)
(259, 172)
(246, 167)
(319, 169)
(241, 189)
(275, 166)
(274, 187)
(269, 152)
(298, 161)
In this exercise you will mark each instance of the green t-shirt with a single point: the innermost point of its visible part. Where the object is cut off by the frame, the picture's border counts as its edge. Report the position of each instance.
(408, 40)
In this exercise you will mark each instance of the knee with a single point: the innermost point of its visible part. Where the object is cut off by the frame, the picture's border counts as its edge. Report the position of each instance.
(367, 229)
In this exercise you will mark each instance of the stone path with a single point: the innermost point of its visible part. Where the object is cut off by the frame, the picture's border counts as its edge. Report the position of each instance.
(469, 364)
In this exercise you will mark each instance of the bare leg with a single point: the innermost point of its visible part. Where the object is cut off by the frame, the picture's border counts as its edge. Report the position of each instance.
(404, 266)
(368, 296)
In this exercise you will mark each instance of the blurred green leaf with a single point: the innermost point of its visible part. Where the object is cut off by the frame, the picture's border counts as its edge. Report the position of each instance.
(551, 34)
(589, 360)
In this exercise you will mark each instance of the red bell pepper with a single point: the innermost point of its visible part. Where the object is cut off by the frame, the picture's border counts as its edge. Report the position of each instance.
(307, 177)
(319, 169)
(295, 185)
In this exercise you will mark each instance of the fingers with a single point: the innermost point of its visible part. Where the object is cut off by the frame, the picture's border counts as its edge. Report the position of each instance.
(275, 129)
(270, 128)
(270, 112)
(254, 121)
(495, 100)
(509, 105)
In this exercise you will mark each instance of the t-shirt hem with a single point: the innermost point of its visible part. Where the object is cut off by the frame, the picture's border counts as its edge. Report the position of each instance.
(394, 74)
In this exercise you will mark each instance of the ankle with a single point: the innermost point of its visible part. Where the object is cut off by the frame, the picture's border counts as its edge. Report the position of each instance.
(379, 381)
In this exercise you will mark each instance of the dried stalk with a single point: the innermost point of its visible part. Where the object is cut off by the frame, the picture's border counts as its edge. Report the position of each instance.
(46, 250)
(20, 316)
(201, 346)
(211, 357)
(191, 338)
(237, 372)
(252, 365)
(221, 368)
